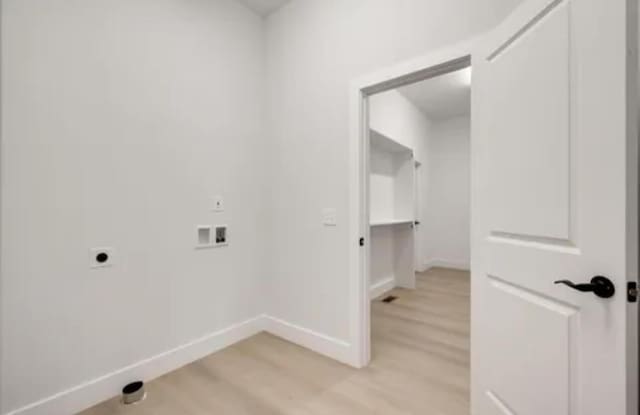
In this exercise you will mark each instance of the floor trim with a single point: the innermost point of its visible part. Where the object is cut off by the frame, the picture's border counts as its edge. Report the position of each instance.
(105, 387)
(382, 287)
(318, 342)
(90, 393)
(443, 263)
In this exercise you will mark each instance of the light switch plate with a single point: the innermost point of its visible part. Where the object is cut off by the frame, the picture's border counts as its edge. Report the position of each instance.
(217, 204)
(330, 217)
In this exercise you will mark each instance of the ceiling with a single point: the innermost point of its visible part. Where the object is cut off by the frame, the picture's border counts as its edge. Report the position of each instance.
(264, 7)
(442, 97)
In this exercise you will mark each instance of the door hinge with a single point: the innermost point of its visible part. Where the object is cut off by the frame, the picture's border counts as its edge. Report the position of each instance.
(632, 292)
(361, 241)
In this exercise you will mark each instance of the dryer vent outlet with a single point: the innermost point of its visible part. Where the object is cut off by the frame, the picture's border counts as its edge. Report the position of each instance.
(133, 393)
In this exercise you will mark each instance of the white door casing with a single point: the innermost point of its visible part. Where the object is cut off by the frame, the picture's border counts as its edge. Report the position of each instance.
(417, 200)
(553, 198)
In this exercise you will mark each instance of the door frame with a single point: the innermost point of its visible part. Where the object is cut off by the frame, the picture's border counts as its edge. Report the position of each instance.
(436, 63)
(439, 62)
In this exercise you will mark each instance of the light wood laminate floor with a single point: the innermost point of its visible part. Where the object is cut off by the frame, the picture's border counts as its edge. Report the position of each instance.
(420, 365)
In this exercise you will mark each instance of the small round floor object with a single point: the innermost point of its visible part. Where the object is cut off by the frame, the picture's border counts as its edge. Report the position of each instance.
(133, 393)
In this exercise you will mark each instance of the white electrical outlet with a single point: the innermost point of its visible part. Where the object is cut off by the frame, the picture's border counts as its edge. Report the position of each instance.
(217, 204)
(101, 257)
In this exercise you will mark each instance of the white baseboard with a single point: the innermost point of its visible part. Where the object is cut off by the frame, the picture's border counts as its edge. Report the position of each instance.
(422, 267)
(105, 387)
(328, 346)
(382, 287)
(90, 393)
(444, 263)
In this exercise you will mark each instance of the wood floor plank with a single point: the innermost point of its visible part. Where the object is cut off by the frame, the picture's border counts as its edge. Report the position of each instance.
(420, 366)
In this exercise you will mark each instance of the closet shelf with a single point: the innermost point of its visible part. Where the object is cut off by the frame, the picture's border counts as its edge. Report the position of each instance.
(387, 144)
(391, 222)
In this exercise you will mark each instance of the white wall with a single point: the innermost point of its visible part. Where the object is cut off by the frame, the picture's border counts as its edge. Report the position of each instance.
(446, 195)
(315, 48)
(391, 198)
(383, 261)
(391, 185)
(393, 115)
(119, 119)
(382, 194)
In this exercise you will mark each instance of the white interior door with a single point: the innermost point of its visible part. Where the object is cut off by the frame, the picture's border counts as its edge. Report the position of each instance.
(554, 198)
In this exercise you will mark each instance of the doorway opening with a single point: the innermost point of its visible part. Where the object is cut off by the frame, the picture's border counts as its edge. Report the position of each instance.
(419, 207)
(392, 214)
